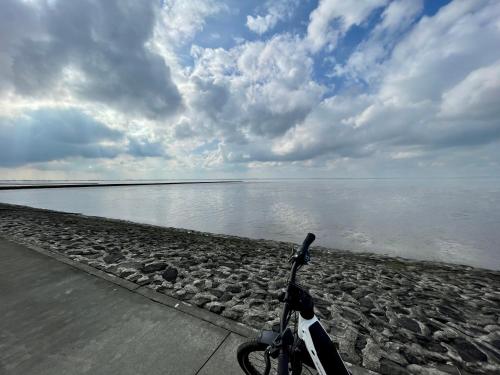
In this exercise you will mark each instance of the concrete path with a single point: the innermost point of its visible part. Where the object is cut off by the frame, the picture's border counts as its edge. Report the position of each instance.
(56, 319)
(61, 317)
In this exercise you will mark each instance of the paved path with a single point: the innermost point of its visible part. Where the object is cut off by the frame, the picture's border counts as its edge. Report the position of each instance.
(60, 317)
(56, 319)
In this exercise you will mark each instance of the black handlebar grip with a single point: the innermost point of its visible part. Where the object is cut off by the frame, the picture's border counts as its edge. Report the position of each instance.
(308, 240)
(283, 362)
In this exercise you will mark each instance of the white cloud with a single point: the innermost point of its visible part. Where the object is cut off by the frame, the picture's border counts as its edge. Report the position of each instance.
(477, 96)
(182, 19)
(276, 11)
(367, 62)
(438, 89)
(333, 18)
(415, 86)
(258, 88)
(399, 14)
(440, 51)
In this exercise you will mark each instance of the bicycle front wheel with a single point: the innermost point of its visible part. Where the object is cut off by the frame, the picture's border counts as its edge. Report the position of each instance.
(253, 359)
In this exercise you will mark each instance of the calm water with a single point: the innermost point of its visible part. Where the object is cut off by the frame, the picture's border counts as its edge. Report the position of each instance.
(452, 220)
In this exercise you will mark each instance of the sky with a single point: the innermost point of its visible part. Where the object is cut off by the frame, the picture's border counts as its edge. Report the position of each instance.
(157, 89)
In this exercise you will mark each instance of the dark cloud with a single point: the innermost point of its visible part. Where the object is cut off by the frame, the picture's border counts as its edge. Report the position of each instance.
(263, 121)
(48, 134)
(106, 42)
(141, 147)
(183, 130)
(209, 96)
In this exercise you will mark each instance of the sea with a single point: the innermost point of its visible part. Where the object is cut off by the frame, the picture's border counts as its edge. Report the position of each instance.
(455, 220)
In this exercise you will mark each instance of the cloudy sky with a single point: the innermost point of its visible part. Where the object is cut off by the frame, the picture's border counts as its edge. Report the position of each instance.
(284, 88)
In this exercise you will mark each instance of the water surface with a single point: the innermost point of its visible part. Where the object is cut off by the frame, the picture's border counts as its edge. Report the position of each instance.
(453, 220)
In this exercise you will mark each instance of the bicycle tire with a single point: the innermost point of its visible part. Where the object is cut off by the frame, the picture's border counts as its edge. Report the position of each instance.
(251, 358)
(252, 361)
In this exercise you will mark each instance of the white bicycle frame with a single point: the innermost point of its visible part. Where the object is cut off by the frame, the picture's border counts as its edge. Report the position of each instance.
(306, 335)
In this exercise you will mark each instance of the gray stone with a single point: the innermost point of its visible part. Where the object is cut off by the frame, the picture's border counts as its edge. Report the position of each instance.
(409, 324)
(217, 292)
(420, 370)
(143, 280)
(201, 299)
(388, 367)
(170, 274)
(124, 273)
(134, 277)
(131, 264)
(233, 288)
(215, 307)
(153, 267)
(113, 258)
(81, 252)
(468, 351)
(347, 286)
(232, 314)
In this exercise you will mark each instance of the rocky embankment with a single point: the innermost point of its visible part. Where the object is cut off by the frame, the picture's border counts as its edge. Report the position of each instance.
(390, 315)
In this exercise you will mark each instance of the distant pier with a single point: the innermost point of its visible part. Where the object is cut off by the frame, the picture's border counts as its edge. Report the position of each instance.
(105, 184)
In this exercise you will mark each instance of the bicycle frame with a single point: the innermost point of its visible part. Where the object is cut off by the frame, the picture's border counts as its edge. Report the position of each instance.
(321, 351)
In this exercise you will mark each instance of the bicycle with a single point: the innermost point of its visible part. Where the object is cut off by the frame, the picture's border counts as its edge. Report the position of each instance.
(304, 346)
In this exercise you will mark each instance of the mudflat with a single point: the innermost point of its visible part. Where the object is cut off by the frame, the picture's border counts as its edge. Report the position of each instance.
(390, 315)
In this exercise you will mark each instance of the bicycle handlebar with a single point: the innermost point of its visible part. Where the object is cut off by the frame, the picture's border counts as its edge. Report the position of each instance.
(307, 242)
(303, 251)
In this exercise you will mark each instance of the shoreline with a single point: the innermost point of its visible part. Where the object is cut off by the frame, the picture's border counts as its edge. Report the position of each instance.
(389, 314)
(417, 262)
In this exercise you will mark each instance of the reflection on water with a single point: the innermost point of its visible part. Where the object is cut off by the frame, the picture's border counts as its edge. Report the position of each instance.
(447, 220)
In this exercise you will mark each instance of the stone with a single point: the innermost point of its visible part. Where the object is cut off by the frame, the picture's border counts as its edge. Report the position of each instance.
(448, 312)
(366, 302)
(170, 274)
(191, 289)
(226, 297)
(371, 355)
(143, 280)
(255, 302)
(125, 272)
(80, 252)
(233, 288)
(468, 351)
(153, 267)
(277, 284)
(231, 314)
(388, 367)
(201, 299)
(496, 344)
(217, 292)
(420, 370)
(209, 284)
(181, 293)
(347, 286)
(351, 314)
(134, 277)
(113, 258)
(130, 264)
(409, 324)
(449, 369)
(215, 307)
